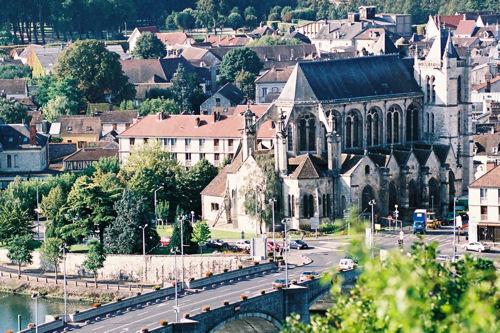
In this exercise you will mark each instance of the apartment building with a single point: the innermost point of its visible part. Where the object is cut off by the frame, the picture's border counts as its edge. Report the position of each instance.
(190, 138)
(484, 208)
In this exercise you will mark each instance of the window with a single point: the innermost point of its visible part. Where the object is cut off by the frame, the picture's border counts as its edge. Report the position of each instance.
(230, 156)
(367, 170)
(308, 206)
(188, 156)
(173, 142)
(482, 193)
(290, 138)
(484, 213)
(307, 133)
(214, 206)
(174, 156)
(264, 92)
(230, 142)
(201, 142)
(274, 89)
(9, 161)
(81, 144)
(217, 101)
(202, 156)
(145, 140)
(132, 141)
(16, 165)
(216, 157)
(352, 128)
(216, 142)
(115, 126)
(187, 142)
(373, 127)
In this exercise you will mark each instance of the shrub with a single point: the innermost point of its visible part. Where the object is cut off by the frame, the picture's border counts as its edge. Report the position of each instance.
(209, 274)
(96, 305)
(225, 303)
(157, 287)
(243, 297)
(163, 323)
(206, 308)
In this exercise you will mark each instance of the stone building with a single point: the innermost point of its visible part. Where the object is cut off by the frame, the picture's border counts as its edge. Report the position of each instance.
(349, 131)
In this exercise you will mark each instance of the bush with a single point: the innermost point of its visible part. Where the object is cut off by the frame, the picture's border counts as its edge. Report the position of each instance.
(163, 323)
(209, 274)
(156, 287)
(206, 308)
(96, 305)
(243, 297)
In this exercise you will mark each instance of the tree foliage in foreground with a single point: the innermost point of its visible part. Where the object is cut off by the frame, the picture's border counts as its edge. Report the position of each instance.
(95, 258)
(149, 46)
(414, 294)
(20, 249)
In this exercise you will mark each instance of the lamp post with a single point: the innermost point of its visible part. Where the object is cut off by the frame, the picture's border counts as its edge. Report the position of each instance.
(176, 306)
(284, 222)
(144, 249)
(372, 241)
(396, 213)
(454, 228)
(154, 193)
(181, 221)
(37, 210)
(65, 288)
(271, 202)
(35, 296)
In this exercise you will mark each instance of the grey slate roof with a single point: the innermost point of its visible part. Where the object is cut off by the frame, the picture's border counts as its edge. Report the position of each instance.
(118, 117)
(153, 70)
(232, 93)
(17, 136)
(346, 79)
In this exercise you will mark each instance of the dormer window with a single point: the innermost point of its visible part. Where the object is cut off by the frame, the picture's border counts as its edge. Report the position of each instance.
(69, 129)
(11, 139)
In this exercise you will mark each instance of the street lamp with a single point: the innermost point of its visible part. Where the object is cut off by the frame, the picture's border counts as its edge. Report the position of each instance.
(271, 202)
(35, 296)
(372, 242)
(454, 228)
(396, 213)
(65, 318)
(285, 222)
(192, 217)
(176, 306)
(144, 248)
(154, 193)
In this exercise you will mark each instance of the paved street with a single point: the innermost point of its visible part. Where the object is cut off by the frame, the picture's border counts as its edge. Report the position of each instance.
(325, 254)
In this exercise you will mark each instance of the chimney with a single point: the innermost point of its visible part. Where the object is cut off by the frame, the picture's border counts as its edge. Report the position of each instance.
(197, 121)
(33, 135)
(488, 84)
(215, 116)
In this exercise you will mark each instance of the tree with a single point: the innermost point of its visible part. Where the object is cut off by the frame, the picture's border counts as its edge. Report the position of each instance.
(64, 94)
(185, 89)
(14, 220)
(53, 202)
(170, 22)
(124, 234)
(237, 60)
(235, 21)
(187, 236)
(95, 258)
(185, 20)
(245, 81)
(155, 105)
(193, 182)
(57, 107)
(201, 233)
(97, 71)
(20, 248)
(12, 112)
(149, 47)
(206, 13)
(413, 294)
(251, 19)
(51, 253)
(15, 72)
(272, 40)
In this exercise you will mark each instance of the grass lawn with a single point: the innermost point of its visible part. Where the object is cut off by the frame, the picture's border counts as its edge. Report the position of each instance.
(222, 234)
(79, 248)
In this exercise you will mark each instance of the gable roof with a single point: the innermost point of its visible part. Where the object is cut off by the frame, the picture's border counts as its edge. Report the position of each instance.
(306, 167)
(442, 46)
(119, 117)
(349, 163)
(490, 179)
(173, 38)
(70, 125)
(14, 86)
(384, 45)
(18, 136)
(91, 154)
(347, 79)
(466, 27)
(232, 93)
(217, 187)
(275, 75)
(153, 70)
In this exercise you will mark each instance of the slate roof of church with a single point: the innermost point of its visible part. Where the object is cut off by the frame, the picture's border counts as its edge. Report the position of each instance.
(350, 162)
(346, 79)
(217, 187)
(307, 167)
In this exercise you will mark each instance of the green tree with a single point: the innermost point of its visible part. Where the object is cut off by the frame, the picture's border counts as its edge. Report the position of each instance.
(51, 253)
(206, 13)
(201, 233)
(193, 182)
(251, 19)
(170, 22)
(15, 72)
(413, 294)
(186, 89)
(149, 46)
(14, 220)
(12, 112)
(237, 60)
(187, 236)
(64, 94)
(97, 71)
(235, 21)
(96, 256)
(124, 234)
(20, 249)
(272, 40)
(59, 106)
(246, 83)
(155, 105)
(185, 20)
(53, 202)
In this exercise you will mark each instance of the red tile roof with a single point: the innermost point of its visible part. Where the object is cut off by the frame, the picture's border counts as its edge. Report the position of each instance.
(489, 179)
(172, 38)
(450, 21)
(466, 27)
(480, 86)
(217, 187)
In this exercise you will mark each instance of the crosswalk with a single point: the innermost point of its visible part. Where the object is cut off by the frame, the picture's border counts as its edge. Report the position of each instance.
(444, 241)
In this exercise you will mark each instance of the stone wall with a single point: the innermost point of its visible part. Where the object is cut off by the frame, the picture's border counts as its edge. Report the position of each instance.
(130, 267)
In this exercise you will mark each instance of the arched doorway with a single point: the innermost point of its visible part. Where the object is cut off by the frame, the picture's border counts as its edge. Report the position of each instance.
(434, 195)
(393, 196)
(412, 195)
(366, 196)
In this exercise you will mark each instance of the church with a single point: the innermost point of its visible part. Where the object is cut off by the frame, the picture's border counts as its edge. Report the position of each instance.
(349, 131)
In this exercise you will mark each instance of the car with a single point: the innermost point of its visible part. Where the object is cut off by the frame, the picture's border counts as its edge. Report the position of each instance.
(346, 265)
(272, 246)
(279, 283)
(243, 245)
(298, 244)
(477, 246)
(218, 244)
(308, 275)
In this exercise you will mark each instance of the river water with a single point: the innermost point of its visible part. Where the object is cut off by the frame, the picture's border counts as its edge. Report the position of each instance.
(12, 305)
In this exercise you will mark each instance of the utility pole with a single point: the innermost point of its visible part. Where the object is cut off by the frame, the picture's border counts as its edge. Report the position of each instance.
(144, 249)
(65, 319)
(176, 306)
(154, 193)
(271, 202)
(284, 222)
(372, 240)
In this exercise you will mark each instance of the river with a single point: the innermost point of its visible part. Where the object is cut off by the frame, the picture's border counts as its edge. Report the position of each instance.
(12, 305)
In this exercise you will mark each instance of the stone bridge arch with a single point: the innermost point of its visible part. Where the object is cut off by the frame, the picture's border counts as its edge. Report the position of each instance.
(257, 321)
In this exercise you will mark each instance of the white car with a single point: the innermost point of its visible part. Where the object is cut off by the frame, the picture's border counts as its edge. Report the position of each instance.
(346, 265)
(476, 246)
(243, 244)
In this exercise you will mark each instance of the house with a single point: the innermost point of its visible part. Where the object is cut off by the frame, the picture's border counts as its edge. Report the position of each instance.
(136, 33)
(81, 130)
(118, 49)
(117, 121)
(175, 42)
(484, 208)
(43, 60)
(14, 88)
(375, 41)
(227, 96)
(86, 157)
(268, 86)
(23, 151)
(237, 40)
(190, 138)
(486, 152)
(298, 36)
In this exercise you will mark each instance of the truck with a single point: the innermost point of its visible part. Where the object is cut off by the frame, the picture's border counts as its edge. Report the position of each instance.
(419, 221)
(431, 221)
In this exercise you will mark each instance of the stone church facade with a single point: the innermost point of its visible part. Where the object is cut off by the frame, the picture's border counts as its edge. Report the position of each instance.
(352, 130)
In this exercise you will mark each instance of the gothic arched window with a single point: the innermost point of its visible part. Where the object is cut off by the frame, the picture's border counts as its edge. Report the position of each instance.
(433, 90)
(392, 131)
(459, 89)
(373, 126)
(427, 89)
(290, 138)
(412, 122)
(353, 124)
(307, 133)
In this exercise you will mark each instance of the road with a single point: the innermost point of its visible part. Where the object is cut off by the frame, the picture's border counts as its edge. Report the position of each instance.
(325, 255)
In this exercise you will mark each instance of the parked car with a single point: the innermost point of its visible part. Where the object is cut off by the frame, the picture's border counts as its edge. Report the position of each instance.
(217, 244)
(298, 244)
(477, 246)
(243, 245)
(308, 275)
(346, 265)
(279, 283)
(271, 246)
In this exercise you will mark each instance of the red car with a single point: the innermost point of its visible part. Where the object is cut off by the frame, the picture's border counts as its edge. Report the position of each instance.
(271, 246)
(164, 241)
